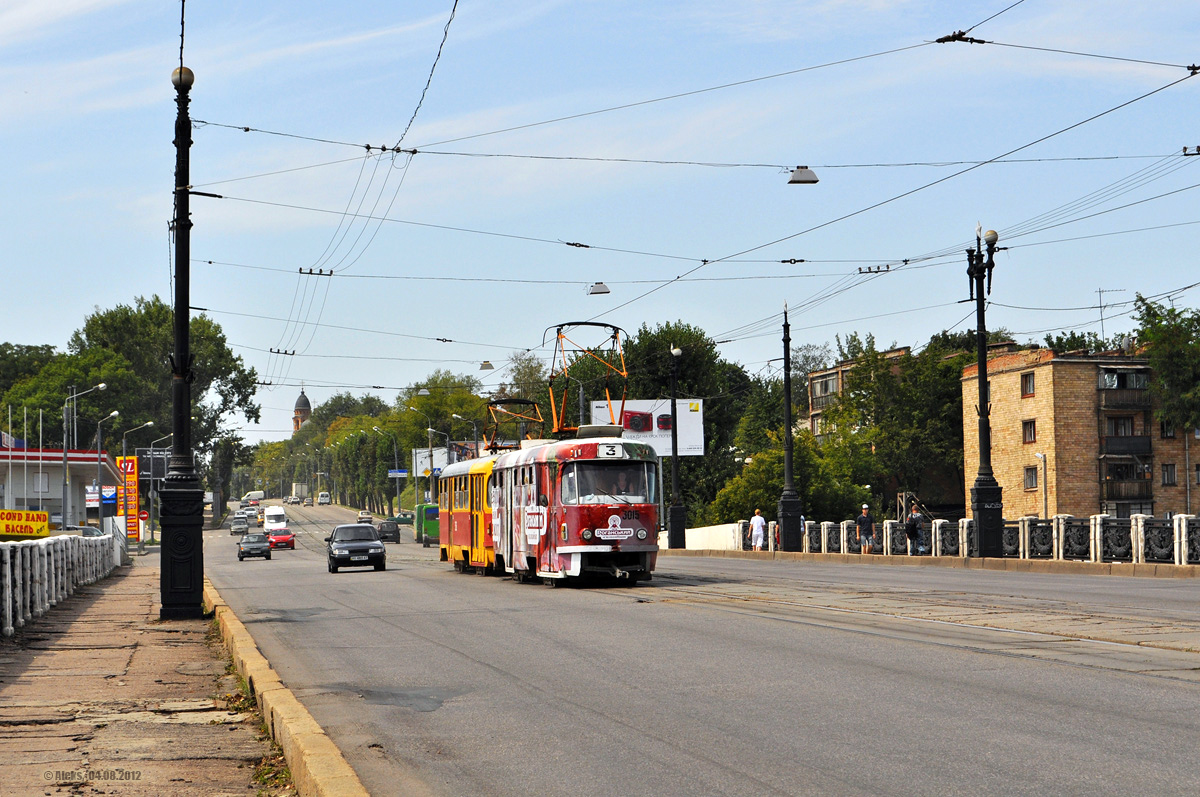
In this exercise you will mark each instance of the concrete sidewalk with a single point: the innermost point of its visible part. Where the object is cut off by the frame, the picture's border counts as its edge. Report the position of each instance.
(99, 696)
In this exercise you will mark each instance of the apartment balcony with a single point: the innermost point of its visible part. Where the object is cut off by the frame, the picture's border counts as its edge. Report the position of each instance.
(1124, 399)
(821, 402)
(1137, 445)
(1127, 490)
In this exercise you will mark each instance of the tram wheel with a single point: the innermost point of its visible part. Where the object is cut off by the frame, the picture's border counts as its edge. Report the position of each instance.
(552, 583)
(458, 565)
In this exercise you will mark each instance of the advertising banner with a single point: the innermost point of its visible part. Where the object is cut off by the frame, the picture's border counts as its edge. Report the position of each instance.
(91, 496)
(17, 522)
(127, 498)
(649, 421)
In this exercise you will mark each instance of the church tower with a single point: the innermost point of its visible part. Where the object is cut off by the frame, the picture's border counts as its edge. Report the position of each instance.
(302, 413)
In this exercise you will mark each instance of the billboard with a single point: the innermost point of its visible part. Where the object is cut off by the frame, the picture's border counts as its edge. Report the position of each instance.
(128, 499)
(649, 421)
(25, 524)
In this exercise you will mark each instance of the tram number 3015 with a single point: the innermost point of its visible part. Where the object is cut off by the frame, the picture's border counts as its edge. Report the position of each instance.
(632, 514)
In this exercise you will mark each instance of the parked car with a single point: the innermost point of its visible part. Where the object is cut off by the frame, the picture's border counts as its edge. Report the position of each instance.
(365, 517)
(282, 538)
(307, 502)
(355, 545)
(389, 531)
(90, 531)
(238, 526)
(254, 544)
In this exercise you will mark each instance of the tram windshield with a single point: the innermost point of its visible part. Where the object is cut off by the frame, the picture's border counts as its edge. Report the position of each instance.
(609, 483)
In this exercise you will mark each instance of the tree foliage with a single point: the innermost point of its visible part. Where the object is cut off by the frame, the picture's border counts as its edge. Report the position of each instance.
(144, 334)
(1171, 338)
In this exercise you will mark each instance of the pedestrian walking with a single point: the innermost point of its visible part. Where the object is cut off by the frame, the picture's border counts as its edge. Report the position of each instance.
(758, 526)
(866, 529)
(912, 530)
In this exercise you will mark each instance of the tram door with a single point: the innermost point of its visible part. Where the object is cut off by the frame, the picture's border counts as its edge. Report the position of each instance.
(552, 515)
(478, 554)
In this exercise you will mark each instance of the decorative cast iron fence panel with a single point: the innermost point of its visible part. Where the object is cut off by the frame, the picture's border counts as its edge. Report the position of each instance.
(925, 539)
(949, 540)
(1193, 541)
(1160, 540)
(1077, 538)
(1010, 539)
(1041, 540)
(877, 539)
(1115, 543)
(899, 540)
(833, 540)
(814, 538)
(972, 541)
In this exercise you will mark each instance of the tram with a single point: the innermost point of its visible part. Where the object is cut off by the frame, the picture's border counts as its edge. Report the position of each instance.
(465, 515)
(555, 509)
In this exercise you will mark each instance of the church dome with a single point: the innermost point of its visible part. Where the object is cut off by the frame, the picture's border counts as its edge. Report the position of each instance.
(302, 403)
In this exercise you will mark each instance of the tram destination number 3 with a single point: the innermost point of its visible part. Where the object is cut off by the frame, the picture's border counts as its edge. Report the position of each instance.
(610, 451)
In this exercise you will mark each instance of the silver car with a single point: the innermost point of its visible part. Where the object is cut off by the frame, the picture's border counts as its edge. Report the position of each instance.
(254, 544)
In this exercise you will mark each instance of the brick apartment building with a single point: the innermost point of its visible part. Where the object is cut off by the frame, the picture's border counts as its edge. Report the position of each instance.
(1092, 419)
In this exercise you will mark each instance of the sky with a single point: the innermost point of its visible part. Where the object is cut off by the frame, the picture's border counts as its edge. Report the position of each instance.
(557, 144)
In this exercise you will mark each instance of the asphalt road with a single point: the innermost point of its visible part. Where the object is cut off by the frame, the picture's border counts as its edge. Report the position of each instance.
(720, 676)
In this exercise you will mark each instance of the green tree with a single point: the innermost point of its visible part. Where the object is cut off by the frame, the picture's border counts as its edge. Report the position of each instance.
(143, 334)
(703, 373)
(1171, 338)
(48, 390)
(19, 362)
(1089, 342)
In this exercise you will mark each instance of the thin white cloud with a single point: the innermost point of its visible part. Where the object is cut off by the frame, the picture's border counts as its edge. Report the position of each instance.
(22, 20)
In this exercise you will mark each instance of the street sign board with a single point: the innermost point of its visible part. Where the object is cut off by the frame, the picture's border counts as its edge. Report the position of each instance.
(393, 473)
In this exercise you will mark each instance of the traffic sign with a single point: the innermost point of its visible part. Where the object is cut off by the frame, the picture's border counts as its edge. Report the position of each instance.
(393, 473)
(143, 515)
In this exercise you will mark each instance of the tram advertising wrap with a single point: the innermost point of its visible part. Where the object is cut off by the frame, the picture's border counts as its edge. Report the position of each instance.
(650, 422)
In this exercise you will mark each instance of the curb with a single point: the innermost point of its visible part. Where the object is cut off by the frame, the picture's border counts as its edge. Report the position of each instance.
(318, 767)
(1141, 570)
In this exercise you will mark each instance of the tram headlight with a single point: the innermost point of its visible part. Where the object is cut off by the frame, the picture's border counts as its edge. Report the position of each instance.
(641, 534)
(586, 534)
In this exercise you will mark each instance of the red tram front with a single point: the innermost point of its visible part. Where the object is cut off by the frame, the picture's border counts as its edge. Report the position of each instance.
(577, 507)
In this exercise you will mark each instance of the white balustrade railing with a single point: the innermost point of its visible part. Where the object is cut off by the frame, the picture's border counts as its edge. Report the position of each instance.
(36, 574)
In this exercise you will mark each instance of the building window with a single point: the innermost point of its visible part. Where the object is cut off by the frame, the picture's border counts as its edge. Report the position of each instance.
(1123, 380)
(1029, 431)
(1120, 426)
(1026, 385)
(1166, 429)
(1031, 478)
(825, 386)
(1168, 472)
(1198, 474)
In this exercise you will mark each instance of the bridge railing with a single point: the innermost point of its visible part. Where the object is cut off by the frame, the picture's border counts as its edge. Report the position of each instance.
(36, 574)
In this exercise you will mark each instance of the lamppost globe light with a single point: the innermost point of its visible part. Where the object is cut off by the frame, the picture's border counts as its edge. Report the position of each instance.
(990, 237)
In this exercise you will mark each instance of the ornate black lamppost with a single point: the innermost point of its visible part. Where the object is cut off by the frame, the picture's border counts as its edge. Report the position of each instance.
(182, 558)
(791, 530)
(677, 512)
(987, 507)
